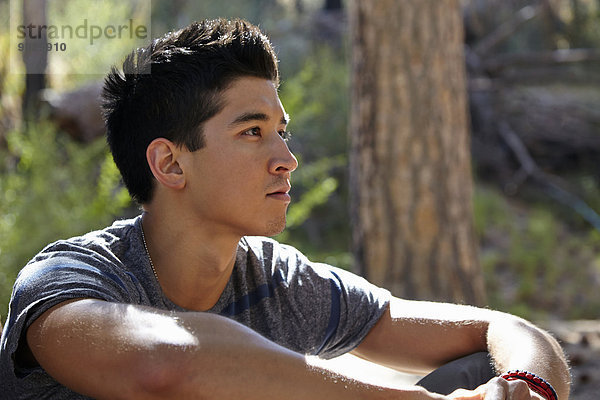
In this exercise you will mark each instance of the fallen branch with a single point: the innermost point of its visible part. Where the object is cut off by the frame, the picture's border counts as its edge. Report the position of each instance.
(549, 182)
(506, 30)
(500, 62)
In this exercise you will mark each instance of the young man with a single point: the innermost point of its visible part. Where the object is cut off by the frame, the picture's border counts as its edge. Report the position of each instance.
(190, 300)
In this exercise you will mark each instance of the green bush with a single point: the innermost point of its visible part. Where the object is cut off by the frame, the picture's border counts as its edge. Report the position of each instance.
(51, 188)
(316, 97)
(535, 263)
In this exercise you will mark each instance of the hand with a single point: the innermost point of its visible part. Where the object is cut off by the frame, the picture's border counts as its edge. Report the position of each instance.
(497, 389)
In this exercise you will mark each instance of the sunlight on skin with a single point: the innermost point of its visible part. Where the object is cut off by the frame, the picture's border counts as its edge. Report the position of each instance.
(501, 336)
(500, 330)
(431, 311)
(159, 329)
(365, 371)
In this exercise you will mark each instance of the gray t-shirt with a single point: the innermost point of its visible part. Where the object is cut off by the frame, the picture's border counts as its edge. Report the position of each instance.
(310, 308)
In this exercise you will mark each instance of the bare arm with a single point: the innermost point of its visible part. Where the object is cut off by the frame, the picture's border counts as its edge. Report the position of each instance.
(107, 350)
(421, 336)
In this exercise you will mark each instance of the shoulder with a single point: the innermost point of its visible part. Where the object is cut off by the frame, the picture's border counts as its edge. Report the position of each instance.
(91, 260)
(111, 237)
(287, 262)
(274, 255)
(86, 266)
(109, 242)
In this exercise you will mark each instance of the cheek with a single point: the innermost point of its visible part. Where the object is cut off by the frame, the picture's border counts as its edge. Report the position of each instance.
(245, 169)
(224, 172)
(233, 177)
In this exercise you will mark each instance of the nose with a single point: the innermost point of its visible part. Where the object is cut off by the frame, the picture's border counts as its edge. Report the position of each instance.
(283, 160)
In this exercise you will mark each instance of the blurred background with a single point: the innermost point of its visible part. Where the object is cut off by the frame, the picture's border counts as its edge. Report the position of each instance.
(533, 88)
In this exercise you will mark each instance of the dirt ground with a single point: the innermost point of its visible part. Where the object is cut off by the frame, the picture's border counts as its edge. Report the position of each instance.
(581, 342)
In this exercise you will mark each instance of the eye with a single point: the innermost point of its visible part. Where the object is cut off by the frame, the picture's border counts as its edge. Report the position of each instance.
(285, 135)
(252, 132)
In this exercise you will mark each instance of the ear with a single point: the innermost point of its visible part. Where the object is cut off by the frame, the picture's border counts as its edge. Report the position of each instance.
(162, 156)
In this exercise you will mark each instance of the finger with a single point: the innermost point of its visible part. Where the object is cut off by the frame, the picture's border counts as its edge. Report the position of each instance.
(518, 390)
(501, 389)
(464, 394)
(497, 389)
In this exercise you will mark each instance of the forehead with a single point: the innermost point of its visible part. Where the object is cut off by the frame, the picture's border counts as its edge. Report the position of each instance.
(251, 95)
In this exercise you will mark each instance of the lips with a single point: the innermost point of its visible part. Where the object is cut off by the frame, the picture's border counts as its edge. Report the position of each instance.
(280, 193)
(280, 196)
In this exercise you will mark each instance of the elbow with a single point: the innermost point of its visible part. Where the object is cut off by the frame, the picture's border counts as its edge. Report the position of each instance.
(541, 339)
(503, 332)
(165, 375)
(154, 379)
(523, 343)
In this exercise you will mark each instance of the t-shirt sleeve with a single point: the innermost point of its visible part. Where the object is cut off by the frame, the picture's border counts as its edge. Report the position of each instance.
(341, 306)
(64, 273)
(356, 306)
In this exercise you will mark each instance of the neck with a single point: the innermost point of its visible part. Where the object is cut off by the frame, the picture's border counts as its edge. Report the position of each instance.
(193, 264)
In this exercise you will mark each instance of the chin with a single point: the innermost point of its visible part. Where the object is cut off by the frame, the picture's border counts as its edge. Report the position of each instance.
(274, 227)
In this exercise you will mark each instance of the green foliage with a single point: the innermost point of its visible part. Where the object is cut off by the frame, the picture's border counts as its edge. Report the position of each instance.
(534, 263)
(319, 186)
(53, 189)
(316, 99)
(583, 23)
(489, 209)
(316, 196)
(83, 57)
(590, 188)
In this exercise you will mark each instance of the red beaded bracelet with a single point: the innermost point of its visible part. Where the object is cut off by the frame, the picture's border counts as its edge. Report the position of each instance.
(535, 383)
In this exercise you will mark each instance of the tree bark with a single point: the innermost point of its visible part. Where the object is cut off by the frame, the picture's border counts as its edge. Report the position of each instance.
(35, 57)
(410, 151)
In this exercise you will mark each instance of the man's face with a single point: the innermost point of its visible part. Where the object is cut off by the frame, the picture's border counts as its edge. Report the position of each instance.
(238, 182)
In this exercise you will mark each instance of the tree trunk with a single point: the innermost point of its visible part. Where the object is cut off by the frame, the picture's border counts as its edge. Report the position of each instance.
(35, 57)
(410, 151)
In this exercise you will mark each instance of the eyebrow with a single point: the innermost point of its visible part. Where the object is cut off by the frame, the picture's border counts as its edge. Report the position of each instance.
(257, 116)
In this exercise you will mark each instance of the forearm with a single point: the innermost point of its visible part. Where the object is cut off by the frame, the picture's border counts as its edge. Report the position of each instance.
(107, 350)
(230, 361)
(517, 344)
(233, 362)
(422, 336)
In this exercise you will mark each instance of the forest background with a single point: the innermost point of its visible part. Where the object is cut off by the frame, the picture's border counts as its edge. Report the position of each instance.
(537, 187)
